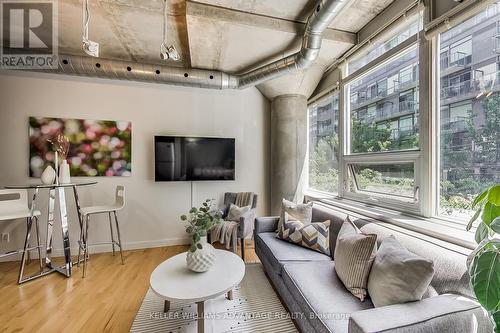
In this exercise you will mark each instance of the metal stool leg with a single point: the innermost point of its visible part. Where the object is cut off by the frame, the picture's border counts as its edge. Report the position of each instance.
(25, 251)
(243, 248)
(86, 246)
(111, 230)
(38, 243)
(80, 241)
(119, 237)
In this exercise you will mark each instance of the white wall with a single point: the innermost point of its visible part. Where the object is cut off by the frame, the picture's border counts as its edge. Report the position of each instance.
(151, 216)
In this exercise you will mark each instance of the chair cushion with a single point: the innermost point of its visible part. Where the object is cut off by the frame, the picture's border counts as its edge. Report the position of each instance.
(236, 212)
(279, 252)
(321, 295)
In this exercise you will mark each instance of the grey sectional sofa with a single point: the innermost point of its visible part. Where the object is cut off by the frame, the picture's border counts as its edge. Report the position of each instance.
(317, 299)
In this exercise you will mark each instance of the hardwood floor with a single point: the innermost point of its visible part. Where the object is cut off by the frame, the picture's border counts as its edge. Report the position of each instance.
(106, 300)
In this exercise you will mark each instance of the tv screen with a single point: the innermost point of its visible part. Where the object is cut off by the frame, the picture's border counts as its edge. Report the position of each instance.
(180, 158)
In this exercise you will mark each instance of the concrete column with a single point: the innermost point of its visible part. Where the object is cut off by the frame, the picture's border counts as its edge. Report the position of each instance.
(288, 149)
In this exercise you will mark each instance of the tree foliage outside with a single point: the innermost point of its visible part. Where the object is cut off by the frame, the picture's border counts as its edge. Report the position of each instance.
(470, 159)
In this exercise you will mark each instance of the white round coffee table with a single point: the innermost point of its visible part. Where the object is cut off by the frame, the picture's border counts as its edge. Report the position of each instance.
(173, 281)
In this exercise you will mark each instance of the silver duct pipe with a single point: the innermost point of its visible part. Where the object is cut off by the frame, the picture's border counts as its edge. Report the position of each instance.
(318, 21)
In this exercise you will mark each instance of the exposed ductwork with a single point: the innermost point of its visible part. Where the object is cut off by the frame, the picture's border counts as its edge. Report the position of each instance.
(317, 22)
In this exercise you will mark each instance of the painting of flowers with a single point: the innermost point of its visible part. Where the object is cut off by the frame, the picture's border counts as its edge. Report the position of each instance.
(96, 147)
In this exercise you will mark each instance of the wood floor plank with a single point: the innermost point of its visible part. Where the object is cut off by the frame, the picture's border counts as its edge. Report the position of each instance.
(107, 300)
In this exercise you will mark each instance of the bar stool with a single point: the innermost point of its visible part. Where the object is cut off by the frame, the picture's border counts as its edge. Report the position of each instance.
(86, 212)
(14, 205)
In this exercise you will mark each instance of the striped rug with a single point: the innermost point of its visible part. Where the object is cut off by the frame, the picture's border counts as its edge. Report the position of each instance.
(255, 308)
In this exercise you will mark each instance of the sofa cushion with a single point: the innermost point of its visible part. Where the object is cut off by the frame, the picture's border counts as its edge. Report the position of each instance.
(278, 252)
(322, 296)
(450, 274)
(299, 212)
(354, 255)
(313, 236)
(397, 275)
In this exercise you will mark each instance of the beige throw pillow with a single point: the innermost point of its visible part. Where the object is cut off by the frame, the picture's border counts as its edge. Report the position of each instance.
(236, 212)
(353, 256)
(296, 212)
(398, 276)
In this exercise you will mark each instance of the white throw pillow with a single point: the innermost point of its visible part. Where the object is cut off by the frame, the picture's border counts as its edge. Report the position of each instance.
(296, 212)
(236, 212)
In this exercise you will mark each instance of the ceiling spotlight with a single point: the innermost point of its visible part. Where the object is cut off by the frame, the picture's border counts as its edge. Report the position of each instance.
(89, 47)
(167, 51)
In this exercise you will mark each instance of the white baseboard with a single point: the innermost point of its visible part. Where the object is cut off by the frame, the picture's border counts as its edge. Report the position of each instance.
(102, 248)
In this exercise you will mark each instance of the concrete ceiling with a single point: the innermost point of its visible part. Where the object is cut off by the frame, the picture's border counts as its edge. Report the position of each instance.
(227, 35)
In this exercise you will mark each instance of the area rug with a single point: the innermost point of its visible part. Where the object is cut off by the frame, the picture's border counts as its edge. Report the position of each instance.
(255, 308)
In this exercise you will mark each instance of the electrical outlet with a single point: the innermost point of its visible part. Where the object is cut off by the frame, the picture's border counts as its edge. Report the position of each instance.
(5, 238)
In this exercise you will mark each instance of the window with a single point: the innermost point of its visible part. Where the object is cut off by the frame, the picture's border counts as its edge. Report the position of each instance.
(382, 160)
(393, 39)
(395, 181)
(323, 145)
(379, 134)
(469, 147)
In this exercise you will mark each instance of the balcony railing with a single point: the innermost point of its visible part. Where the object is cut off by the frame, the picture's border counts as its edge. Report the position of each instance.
(470, 86)
(455, 124)
(405, 82)
(403, 132)
(457, 59)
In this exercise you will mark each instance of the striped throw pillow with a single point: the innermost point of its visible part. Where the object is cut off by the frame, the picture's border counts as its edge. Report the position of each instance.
(315, 236)
(354, 256)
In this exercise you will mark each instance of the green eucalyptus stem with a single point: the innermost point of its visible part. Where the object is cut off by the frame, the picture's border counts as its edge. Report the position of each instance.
(200, 221)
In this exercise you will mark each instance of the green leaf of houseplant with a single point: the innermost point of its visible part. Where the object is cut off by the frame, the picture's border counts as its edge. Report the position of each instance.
(495, 225)
(480, 198)
(476, 215)
(496, 318)
(490, 212)
(470, 259)
(481, 233)
(494, 195)
(485, 279)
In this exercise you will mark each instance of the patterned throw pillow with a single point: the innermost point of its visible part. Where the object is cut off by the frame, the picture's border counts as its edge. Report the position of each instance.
(314, 236)
(354, 256)
(236, 212)
(296, 212)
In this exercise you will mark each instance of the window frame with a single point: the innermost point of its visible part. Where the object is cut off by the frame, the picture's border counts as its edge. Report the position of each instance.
(411, 156)
(426, 158)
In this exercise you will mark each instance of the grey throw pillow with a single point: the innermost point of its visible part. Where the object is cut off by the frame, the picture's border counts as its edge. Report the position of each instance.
(236, 212)
(296, 212)
(397, 275)
(353, 256)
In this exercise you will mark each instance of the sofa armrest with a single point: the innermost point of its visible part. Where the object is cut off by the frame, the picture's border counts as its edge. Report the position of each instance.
(247, 221)
(266, 224)
(443, 313)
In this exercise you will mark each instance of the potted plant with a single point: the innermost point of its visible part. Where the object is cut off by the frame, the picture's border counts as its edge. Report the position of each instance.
(201, 255)
(484, 262)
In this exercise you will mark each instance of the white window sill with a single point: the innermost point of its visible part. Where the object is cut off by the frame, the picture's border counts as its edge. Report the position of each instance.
(450, 232)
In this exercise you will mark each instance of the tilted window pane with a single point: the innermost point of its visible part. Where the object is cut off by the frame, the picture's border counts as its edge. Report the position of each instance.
(395, 181)
(394, 98)
(391, 40)
(324, 145)
(470, 112)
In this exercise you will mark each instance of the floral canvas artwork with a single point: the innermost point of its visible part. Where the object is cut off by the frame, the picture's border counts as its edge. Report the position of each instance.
(96, 147)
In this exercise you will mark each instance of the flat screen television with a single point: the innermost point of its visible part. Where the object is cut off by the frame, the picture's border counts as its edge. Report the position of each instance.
(179, 158)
